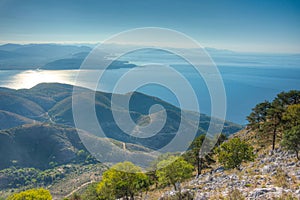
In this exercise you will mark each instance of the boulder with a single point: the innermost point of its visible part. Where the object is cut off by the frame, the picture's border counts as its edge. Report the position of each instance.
(261, 191)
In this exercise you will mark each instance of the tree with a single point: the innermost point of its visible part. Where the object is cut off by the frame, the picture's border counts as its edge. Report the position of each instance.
(267, 118)
(291, 135)
(151, 172)
(274, 120)
(33, 194)
(122, 180)
(193, 154)
(278, 108)
(232, 153)
(173, 170)
(291, 117)
(289, 98)
(258, 116)
(90, 193)
(291, 140)
(75, 196)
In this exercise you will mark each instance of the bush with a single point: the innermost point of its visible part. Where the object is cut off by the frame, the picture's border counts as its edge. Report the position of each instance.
(232, 153)
(173, 170)
(291, 140)
(122, 180)
(75, 197)
(33, 194)
(90, 193)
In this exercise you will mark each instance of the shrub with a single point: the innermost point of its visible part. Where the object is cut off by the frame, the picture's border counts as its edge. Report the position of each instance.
(291, 140)
(232, 153)
(173, 170)
(122, 180)
(33, 194)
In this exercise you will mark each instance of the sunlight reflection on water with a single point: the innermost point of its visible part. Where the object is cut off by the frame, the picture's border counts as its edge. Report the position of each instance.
(245, 87)
(30, 78)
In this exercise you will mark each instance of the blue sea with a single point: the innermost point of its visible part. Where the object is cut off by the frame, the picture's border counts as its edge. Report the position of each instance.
(248, 78)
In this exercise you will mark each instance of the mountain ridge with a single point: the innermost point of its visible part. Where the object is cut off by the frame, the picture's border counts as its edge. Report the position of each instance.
(48, 106)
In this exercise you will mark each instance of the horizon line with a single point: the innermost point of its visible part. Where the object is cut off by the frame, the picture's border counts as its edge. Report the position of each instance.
(95, 43)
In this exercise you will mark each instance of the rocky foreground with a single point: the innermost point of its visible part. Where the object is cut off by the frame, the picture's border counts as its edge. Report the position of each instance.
(273, 175)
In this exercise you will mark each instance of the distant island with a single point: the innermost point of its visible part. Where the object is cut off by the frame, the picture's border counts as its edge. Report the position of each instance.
(50, 57)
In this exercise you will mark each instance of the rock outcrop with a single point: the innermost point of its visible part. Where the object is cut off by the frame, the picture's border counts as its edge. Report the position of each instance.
(272, 175)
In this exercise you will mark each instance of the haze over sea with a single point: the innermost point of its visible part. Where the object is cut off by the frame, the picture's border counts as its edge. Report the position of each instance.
(248, 78)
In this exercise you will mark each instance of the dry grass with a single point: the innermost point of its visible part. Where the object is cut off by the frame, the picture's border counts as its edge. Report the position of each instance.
(235, 194)
(217, 197)
(286, 196)
(281, 178)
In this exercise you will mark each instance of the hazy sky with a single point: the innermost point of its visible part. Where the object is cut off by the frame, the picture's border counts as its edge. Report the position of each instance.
(253, 25)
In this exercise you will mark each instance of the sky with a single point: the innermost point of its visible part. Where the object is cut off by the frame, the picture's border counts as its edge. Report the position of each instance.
(240, 25)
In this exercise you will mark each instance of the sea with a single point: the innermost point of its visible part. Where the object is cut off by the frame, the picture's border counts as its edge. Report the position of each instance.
(248, 79)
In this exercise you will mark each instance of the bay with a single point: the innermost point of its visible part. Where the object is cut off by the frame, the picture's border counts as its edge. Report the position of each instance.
(245, 86)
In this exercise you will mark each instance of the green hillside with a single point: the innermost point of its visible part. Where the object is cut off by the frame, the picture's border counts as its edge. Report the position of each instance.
(52, 103)
(39, 146)
(10, 120)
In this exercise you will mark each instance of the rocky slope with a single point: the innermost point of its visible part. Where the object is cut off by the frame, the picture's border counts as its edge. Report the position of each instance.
(273, 175)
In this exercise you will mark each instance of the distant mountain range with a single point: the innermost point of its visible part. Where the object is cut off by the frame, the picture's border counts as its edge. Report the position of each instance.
(48, 56)
(63, 57)
(33, 56)
(43, 115)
